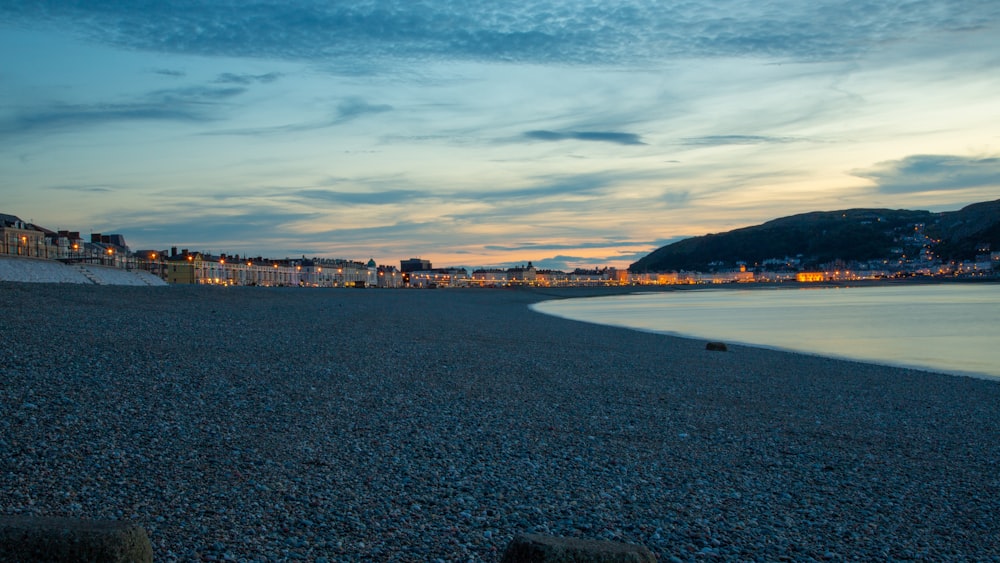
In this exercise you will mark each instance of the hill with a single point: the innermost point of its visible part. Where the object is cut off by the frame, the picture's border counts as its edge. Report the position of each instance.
(825, 236)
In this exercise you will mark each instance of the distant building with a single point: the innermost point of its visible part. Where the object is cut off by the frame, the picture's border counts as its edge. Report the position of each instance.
(522, 275)
(20, 238)
(664, 278)
(414, 265)
(598, 276)
(108, 250)
(439, 277)
(109, 240)
(69, 245)
(182, 269)
(389, 276)
(488, 277)
(551, 278)
(205, 269)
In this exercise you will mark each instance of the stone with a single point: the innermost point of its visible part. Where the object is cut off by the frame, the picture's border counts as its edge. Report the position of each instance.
(716, 346)
(27, 539)
(538, 548)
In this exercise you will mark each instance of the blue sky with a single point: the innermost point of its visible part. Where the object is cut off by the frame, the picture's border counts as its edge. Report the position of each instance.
(568, 133)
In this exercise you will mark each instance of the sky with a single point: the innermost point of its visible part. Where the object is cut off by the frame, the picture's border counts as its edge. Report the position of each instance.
(566, 133)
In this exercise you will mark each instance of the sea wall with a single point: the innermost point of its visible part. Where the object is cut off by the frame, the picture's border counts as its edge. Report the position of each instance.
(37, 270)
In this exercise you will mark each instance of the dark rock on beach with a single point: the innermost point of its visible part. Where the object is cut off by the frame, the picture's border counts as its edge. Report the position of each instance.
(538, 548)
(72, 540)
(250, 424)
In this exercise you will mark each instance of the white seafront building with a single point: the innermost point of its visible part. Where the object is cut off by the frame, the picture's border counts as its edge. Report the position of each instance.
(187, 267)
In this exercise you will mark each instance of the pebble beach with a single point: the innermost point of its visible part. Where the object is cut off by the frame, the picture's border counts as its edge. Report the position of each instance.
(267, 425)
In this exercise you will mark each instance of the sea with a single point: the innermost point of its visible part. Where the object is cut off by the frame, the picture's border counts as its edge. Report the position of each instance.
(945, 327)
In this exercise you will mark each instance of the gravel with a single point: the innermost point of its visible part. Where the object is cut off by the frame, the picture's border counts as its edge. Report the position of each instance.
(251, 424)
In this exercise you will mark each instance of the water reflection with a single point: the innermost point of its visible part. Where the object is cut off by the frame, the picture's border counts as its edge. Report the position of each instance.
(954, 328)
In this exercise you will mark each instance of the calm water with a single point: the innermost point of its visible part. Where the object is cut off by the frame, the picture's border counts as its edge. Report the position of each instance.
(952, 328)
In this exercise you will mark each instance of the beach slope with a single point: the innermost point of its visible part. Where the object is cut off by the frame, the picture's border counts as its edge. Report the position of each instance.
(260, 424)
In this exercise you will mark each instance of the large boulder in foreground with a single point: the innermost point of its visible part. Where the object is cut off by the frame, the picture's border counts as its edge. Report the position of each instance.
(537, 548)
(26, 539)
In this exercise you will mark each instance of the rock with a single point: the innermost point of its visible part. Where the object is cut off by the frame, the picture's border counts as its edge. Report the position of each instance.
(26, 539)
(716, 346)
(538, 548)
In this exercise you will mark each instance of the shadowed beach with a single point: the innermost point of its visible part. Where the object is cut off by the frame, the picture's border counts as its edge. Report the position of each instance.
(258, 424)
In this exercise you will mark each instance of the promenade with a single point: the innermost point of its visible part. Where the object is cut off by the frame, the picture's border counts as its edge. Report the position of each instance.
(253, 424)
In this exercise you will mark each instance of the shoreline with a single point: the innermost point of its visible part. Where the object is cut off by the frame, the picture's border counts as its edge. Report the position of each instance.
(583, 313)
(398, 425)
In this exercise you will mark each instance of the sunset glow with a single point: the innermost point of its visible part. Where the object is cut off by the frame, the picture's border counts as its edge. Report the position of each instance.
(569, 134)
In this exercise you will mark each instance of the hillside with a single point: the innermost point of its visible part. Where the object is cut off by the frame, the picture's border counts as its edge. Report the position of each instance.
(824, 236)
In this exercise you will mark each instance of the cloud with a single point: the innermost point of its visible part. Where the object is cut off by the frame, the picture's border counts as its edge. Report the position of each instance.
(91, 189)
(716, 140)
(926, 173)
(67, 116)
(274, 130)
(386, 197)
(170, 72)
(468, 147)
(559, 262)
(545, 188)
(230, 78)
(598, 136)
(549, 187)
(353, 108)
(568, 263)
(632, 257)
(383, 233)
(625, 31)
(193, 94)
(348, 110)
(188, 105)
(533, 247)
(211, 230)
(677, 197)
